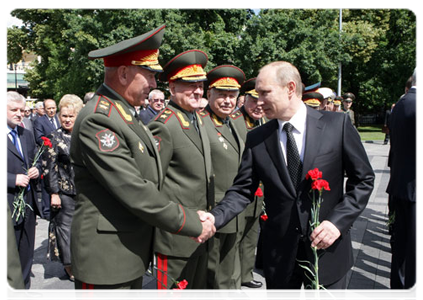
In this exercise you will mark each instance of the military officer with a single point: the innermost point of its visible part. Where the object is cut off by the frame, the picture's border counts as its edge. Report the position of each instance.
(328, 96)
(249, 117)
(337, 104)
(185, 157)
(223, 83)
(313, 99)
(347, 103)
(118, 175)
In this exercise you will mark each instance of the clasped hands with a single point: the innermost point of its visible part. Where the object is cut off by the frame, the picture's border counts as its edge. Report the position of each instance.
(207, 220)
(22, 180)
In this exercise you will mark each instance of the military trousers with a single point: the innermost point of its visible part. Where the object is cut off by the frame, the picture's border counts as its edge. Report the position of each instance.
(123, 291)
(170, 269)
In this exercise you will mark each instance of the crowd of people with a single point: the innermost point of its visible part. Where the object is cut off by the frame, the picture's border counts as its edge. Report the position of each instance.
(178, 186)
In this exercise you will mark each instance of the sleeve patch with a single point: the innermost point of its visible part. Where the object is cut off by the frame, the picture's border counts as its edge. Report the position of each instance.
(107, 140)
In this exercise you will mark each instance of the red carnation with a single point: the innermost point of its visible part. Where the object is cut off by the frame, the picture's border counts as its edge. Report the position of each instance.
(181, 285)
(46, 142)
(314, 174)
(264, 217)
(320, 184)
(259, 192)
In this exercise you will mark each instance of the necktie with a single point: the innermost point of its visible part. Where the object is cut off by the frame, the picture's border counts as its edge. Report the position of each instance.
(15, 141)
(53, 122)
(194, 121)
(292, 156)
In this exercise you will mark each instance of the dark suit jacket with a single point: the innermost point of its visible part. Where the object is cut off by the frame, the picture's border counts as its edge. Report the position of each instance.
(43, 127)
(332, 145)
(16, 165)
(402, 183)
(146, 115)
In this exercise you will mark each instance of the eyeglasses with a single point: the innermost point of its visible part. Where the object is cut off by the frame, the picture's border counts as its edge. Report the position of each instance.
(26, 110)
(159, 100)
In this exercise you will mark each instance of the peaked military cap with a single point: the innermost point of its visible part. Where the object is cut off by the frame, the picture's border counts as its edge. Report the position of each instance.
(225, 77)
(337, 101)
(312, 99)
(327, 93)
(142, 51)
(249, 88)
(312, 87)
(348, 97)
(187, 66)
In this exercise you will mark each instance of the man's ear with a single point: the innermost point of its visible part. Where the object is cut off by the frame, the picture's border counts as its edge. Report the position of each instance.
(292, 88)
(172, 88)
(122, 72)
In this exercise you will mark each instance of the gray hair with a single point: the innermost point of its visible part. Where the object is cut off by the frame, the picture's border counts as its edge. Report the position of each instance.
(416, 76)
(154, 92)
(15, 97)
(39, 104)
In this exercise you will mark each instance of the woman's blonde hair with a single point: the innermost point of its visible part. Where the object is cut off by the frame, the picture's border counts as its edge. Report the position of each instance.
(71, 101)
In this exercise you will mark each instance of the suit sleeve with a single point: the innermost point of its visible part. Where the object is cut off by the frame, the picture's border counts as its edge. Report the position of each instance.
(359, 185)
(116, 169)
(241, 193)
(38, 131)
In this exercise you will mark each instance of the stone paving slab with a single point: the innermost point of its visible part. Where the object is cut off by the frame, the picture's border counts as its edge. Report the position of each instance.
(371, 248)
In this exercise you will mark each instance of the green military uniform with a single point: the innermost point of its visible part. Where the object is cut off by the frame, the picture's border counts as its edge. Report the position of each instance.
(349, 97)
(248, 235)
(226, 152)
(118, 177)
(186, 163)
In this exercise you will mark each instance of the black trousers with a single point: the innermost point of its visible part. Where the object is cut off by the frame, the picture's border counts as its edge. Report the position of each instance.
(403, 265)
(293, 289)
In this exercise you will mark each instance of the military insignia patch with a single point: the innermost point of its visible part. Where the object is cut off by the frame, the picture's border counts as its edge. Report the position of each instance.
(157, 139)
(107, 140)
(141, 147)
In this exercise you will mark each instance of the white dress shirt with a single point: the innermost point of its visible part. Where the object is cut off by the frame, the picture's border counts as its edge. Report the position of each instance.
(299, 121)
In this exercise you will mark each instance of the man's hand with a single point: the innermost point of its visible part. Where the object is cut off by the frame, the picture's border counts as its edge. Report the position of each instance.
(33, 173)
(207, 220)
(22, 180)
(324, 235)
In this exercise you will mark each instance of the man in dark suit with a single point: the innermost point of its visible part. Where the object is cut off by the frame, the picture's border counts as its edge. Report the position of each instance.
(20, 155)
(402, 189)
(279, 154)
(156, 100)
(47, 123)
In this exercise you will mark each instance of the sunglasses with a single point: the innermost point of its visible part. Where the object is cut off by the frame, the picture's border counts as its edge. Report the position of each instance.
(159, 100)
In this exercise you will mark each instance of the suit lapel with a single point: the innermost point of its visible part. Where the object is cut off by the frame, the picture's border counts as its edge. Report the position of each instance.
(273, 146)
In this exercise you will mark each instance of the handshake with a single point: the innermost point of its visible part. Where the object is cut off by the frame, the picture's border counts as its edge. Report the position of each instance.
(207, 220)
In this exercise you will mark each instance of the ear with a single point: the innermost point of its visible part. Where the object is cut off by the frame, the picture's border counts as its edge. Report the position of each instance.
(292, 88)
(209, 93)
(172, 88)
(122, 72)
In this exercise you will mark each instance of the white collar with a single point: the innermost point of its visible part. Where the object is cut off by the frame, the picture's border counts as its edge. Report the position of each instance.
(298, 120)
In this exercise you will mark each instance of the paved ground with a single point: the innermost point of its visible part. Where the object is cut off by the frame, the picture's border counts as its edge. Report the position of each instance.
(370, 241)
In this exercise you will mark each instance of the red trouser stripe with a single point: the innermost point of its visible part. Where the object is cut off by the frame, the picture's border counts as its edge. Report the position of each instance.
(87, 291)
(162, 271)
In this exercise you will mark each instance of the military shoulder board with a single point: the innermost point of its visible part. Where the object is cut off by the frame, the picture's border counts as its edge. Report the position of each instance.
(203, 113)
(164, 116)
(236, 115)
(103, 107)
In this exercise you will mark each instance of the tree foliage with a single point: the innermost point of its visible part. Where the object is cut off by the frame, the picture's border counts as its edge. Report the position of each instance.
(377, 48)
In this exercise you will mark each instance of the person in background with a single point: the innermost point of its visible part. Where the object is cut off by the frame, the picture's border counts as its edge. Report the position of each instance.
(88, 96)
(59, 183)
(402, 189)
(203, 103)
(347, 103)
(39, 110)
(21, 149)
(387, 123)
(337, 102)
(240, 101)
(156, 101)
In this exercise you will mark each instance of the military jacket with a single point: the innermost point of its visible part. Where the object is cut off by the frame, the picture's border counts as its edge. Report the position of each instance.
(244, 124)
(188, 179)
(117, 177)
(226, 152)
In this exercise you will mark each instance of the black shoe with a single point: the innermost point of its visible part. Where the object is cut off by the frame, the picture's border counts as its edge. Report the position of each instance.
(238, 295)
(254, 284)
(33, 295)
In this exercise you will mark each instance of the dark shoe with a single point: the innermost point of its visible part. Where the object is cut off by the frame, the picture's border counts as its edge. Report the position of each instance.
(238, 295)
(33, 295)
(254, 284)
(69, 274)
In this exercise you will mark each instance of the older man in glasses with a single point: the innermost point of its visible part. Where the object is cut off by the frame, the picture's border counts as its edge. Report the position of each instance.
(156, 101)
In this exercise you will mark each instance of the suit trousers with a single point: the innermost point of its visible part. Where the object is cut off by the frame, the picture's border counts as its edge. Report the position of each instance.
(403, 265)
(123, 291)
(298, 278)
(25, 237)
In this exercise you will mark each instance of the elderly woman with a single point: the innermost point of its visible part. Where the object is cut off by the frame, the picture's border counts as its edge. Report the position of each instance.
(59, 180)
